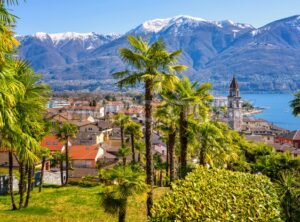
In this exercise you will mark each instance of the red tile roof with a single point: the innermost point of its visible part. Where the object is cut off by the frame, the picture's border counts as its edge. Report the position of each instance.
(84, 152)
(52, 143)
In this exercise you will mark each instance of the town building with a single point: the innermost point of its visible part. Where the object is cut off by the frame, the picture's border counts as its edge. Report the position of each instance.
(291, 138)
(87, 156)
(96, 112)
(220, 101)
(113, 106)
(58, 103)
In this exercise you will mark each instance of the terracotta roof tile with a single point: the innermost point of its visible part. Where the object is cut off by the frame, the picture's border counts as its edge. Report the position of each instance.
(52, 143)
(84, 152)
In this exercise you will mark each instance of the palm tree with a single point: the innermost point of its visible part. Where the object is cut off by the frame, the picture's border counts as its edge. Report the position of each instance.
(191, 99)
(8, 42)
(59, 158)
(121, 120)
(210, 139)
(65, 132)
(135, 131)
(22, 102)
(160, 166)
(167, 117)
(123, 152)
(125, 182)
(10, 87)
(295, 104)
(288, 187)
(45, 153)
(140, 147)
(26, 133)
(155, 67)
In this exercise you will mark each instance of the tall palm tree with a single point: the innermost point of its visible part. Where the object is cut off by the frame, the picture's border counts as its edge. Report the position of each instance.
(30, 108)
(191, 99)
(155, 67)
(22, 100)
(65, 132)
(160, 166)
(59, 158)
(167, 117)
(140, 147)
(121, 120)
(135, 131)
(295, 104)
(45, 153)
(124, 183)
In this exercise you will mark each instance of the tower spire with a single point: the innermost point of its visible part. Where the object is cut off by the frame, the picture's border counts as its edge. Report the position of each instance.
(234, 87)
(235, 117)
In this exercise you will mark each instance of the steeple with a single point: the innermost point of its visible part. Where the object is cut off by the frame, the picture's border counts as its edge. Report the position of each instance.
(234, 88)
(235, 117)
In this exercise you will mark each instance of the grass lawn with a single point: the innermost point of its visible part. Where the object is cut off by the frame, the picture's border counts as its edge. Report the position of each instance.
(71, 203)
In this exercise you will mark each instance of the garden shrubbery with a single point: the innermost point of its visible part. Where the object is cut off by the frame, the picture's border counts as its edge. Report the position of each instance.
(219, 195)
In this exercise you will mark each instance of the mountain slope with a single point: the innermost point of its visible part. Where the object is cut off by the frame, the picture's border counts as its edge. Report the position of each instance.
(263, 59)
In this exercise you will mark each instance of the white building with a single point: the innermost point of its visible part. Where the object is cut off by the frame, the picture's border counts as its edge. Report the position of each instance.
(114, 106)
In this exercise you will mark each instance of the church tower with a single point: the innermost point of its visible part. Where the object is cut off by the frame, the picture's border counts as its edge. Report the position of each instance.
(235, 117)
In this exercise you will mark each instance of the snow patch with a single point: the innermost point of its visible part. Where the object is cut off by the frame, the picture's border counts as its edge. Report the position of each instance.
(41, 35)
(158, 25)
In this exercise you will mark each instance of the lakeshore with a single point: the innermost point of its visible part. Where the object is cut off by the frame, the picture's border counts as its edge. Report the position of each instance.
(276, 109)
(253, 112)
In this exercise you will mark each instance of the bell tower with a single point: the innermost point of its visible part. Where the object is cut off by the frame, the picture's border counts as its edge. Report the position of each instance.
(235, 117)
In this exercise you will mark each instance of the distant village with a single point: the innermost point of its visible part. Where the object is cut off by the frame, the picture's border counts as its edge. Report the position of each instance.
(98, 141)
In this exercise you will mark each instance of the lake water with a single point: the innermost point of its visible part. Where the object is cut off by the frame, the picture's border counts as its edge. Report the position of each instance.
(277, 109)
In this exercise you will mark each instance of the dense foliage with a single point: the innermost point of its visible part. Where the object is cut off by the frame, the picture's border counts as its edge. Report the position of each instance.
(219, 195)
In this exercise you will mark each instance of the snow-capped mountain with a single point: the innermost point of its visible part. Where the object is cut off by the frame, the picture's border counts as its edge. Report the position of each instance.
(158, 25)
(266, 58)
(263, 59)
(46, 50)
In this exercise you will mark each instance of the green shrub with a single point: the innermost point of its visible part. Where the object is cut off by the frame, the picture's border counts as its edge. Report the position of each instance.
(219, 195)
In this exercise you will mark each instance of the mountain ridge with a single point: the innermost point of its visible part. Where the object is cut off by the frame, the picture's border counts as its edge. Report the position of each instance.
(214, 51)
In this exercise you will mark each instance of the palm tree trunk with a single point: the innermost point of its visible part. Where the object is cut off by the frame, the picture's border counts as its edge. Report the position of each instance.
(167, 159)
(183, 142)
(29, 186)
(42, 173)
(148, 141)
(132, 148)
(122, 211)
(124, 161)
(172, 138)
(160, 177)
(67, 162)
(61, 170)
(11, 189)
(21, 184)
(154, 177)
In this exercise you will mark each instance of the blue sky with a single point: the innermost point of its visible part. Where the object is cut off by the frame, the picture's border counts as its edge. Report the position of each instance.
(118, 16)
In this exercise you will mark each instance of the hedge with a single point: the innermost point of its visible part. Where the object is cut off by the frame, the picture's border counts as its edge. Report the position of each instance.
(219, 195)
